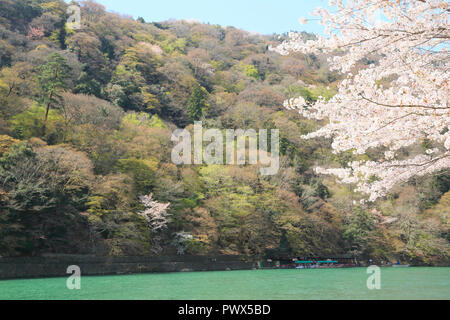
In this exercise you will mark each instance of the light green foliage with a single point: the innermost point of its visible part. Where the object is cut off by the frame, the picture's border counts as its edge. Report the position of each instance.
(249, 70)
(156, 122)
(238, 210)
(174, 45)
(112, 219)
(6, 142)
(310, 94)
(145, 119)
(30, 123)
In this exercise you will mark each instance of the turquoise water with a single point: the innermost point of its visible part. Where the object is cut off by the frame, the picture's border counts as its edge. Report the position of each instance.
(341, 284)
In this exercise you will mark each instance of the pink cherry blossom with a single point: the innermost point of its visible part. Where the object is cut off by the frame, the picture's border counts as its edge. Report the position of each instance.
(395, 102)
(302, 20)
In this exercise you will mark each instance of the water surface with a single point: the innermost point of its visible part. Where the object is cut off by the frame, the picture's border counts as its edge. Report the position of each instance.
(341, 284)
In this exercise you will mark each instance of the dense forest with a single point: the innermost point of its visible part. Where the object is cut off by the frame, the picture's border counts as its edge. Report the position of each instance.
(86, 119)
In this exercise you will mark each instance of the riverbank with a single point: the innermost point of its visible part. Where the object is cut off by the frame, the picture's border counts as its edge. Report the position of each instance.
(56, 266)
(50, 266)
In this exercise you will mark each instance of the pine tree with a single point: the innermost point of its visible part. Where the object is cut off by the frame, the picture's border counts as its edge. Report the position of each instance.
(52, 81)
(197, 103)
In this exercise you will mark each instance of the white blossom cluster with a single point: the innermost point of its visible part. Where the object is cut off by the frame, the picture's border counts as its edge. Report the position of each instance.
(180, 240)
(155, 213)
(397, 101)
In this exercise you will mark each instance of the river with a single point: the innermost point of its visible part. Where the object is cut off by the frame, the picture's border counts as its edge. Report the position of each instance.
(341, 284)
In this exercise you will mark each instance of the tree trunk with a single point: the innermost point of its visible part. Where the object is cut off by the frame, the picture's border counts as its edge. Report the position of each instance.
(46, 113)
(44, 128)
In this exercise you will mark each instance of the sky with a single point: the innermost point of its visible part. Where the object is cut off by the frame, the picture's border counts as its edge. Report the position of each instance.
(262, 16)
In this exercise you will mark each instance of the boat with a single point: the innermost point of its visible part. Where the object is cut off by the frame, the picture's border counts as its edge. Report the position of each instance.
(304, 265)
(317, 264)
(401, 265)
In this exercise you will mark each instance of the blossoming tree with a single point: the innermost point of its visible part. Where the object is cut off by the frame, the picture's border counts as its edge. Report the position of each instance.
(397, 101)
(156, 215)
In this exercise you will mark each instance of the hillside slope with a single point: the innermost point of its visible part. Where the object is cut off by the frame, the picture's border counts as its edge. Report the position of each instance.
(86, 118)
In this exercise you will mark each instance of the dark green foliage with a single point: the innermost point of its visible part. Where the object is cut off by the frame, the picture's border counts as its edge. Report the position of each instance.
(86, 85)
(18, 13)
(359, 226)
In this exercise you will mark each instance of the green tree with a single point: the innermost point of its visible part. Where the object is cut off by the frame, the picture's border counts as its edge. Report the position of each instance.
(52, 81)
(197, 103)
(359, 228)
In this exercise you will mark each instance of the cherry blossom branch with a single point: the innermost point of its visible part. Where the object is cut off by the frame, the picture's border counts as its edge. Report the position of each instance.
(403, 105)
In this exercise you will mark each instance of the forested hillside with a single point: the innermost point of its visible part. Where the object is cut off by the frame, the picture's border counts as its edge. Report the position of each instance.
(86, 118)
